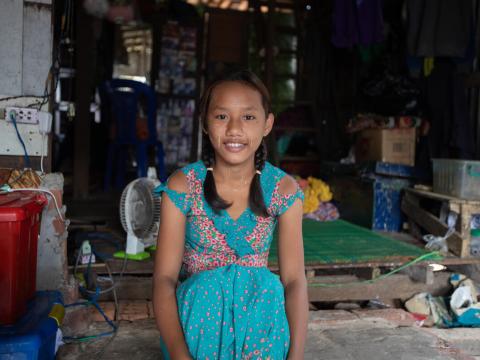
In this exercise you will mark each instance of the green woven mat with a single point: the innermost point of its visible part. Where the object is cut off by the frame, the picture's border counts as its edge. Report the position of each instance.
(342, 242)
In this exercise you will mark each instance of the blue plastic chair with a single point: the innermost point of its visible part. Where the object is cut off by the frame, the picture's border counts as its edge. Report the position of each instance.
(121, 98)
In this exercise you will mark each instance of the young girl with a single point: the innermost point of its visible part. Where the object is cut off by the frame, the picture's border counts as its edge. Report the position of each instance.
(216, 225)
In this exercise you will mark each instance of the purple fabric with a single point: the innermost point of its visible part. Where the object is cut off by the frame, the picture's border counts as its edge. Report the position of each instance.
(357, 22)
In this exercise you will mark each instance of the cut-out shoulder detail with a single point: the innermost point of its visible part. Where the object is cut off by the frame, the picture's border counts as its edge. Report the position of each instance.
(177, 189)
(285, 193)
(287, 186)
(178, 182)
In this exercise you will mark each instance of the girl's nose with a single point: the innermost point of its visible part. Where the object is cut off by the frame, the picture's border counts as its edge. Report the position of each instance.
(234, 127)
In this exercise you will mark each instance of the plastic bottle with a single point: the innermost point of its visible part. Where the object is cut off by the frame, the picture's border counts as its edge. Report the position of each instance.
(475, 242)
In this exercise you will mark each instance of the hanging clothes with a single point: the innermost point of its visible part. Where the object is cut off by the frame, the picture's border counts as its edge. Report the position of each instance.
(357, 22)
(439, 27)
(451, 127)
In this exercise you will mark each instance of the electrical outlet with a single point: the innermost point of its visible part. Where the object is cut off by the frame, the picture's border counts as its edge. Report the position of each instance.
(22, 115)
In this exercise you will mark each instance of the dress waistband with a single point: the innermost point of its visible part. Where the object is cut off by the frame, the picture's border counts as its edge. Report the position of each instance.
(195, 262)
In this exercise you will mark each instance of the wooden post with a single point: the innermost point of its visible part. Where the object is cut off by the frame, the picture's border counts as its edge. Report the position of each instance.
(85, 74)
(465, 219)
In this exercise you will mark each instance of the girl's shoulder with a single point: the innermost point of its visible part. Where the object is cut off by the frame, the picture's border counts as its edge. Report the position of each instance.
(273, 175)
(275, 180)
(195, 170)
(280, 189)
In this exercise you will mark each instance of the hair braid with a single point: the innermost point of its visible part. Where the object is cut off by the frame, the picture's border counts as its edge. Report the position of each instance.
(209, 187)
(255, 200)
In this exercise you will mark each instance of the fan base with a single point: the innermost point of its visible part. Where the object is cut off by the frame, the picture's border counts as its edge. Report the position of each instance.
(138, 257)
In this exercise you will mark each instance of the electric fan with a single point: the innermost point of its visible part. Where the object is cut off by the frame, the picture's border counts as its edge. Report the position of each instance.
(140, 216)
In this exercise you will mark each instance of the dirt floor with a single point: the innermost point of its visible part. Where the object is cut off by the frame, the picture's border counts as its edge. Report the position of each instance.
(386, 334)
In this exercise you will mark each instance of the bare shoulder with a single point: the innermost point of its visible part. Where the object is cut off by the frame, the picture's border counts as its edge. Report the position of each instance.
(178, 181)
(287, 186)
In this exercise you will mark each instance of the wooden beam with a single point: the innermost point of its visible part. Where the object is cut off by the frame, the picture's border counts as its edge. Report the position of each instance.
(435, 227)
(146, 267)
(131, 288)
(422, 273)
(397, 286)
(18, 162)
(441, 197)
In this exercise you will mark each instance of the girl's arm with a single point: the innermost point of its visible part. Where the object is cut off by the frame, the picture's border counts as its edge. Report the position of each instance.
(292, 270)
(168, 260)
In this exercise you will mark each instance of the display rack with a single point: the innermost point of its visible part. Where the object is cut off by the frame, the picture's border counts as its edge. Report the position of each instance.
(177, 89)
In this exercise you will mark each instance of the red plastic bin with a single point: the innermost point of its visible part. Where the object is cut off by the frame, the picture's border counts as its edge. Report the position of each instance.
(20, 214)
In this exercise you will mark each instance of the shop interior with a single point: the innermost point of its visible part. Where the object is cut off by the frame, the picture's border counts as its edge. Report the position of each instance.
(377, 117)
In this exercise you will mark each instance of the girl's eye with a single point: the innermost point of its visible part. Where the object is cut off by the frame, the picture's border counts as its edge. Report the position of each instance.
(249, 117)
(221, 116)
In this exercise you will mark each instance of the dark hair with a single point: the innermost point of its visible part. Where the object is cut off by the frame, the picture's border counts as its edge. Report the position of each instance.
(255, 199)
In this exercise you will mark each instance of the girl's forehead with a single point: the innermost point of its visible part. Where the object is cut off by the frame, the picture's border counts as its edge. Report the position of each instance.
(235, 93)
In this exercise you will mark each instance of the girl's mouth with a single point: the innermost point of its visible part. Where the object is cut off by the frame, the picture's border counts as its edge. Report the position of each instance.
(234, 146)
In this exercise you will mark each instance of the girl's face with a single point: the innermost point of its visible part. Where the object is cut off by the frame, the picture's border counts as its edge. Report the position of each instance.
(236, 122)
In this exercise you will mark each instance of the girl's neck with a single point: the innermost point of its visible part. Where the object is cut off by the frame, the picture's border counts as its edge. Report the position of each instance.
(234, 174)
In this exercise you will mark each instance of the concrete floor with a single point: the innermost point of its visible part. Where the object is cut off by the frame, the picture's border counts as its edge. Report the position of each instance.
(333, 334)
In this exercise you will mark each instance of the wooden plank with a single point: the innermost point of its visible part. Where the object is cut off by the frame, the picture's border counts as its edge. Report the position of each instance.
(131, 288)
(442, 197)
(18, 162)
(422, 273)
(369, 273)
(397, 286)
(434, 226)
(131, 267)
(466, 211)
(146, 267)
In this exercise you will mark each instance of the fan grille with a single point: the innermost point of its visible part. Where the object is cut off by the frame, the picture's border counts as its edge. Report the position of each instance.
(139, 207)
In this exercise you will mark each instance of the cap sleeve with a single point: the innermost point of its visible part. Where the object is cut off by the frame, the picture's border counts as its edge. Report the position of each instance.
(180, 199)
(282, 202)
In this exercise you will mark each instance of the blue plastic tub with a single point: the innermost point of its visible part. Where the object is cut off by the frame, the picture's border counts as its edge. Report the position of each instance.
(34, 336)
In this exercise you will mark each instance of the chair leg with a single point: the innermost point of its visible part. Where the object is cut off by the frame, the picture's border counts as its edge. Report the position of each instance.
(121, 167)
(142, 160)
(107, 181)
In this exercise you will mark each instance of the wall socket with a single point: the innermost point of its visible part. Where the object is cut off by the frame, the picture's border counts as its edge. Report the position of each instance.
(22, 115)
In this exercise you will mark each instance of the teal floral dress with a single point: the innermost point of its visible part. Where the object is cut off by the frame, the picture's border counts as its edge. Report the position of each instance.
(230, 305)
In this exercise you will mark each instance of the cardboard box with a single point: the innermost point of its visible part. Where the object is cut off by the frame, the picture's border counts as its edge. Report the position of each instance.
(395, 146)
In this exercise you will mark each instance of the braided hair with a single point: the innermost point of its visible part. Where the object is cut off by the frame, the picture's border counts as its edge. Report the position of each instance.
(255, 200)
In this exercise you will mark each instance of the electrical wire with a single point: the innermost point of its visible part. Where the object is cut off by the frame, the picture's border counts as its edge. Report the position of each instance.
(43, 191)
(20, 97)
(41, 157)
(53, 71)
(434, 255)
(26, 157)
(93, 297)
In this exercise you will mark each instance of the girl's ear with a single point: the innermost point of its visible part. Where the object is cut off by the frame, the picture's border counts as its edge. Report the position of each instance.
(268, 124)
